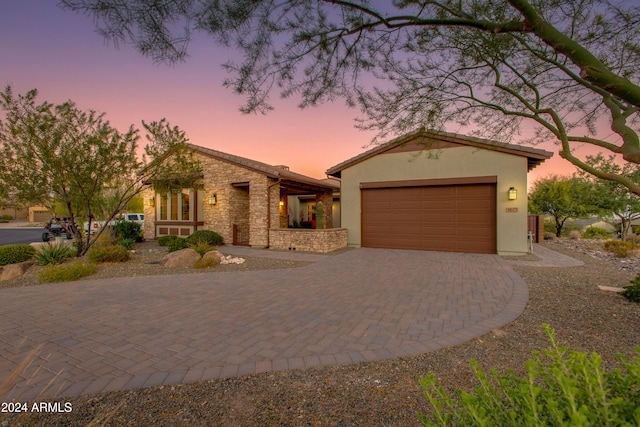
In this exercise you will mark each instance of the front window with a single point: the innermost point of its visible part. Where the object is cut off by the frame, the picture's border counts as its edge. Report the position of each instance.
(176, 206)
(185, 206)
(164, 208)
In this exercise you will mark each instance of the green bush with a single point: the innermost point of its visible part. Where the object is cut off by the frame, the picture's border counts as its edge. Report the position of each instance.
(202, 248)
(13, 254)
(632, 292)
(205, 236)
(6, 217)
(67, 272)
(619, 248)
(205, 263)
(596, 233)
(128, 230)
(164, 240)
(177, 244)
(127, 243)
(113, 253)
(55, 253)
(560, 388)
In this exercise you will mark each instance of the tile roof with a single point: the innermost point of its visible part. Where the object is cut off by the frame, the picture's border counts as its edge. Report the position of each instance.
(266, 169)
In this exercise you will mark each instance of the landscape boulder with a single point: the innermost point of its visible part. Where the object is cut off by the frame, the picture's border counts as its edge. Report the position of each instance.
(182, 258)
(14, 271)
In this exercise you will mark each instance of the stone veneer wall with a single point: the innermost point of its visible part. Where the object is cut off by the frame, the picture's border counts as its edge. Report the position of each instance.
(232, 202)
(302, 239)
(149, 211)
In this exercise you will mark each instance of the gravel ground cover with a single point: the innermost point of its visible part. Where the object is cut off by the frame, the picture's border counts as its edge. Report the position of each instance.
(144, 262)
(385, 393)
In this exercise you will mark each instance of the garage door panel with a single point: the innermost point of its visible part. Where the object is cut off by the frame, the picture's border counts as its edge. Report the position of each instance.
(459, 218)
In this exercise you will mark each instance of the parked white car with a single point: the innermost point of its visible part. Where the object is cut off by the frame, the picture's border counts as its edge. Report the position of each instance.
(130, 217)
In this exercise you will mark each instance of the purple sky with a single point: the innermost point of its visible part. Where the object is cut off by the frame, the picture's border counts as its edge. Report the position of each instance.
(60, 54)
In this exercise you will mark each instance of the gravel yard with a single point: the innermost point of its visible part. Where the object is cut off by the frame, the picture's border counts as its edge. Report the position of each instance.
(383, 392)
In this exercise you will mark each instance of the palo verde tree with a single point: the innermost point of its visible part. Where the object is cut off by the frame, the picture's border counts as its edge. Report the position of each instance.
(60, 155)
(561, 198)
(611, 196)
(566, 68)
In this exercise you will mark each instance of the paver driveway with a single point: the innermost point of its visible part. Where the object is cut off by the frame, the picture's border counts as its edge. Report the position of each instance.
(365, 304)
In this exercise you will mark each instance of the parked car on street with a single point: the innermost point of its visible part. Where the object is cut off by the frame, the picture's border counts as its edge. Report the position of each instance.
(56, 227)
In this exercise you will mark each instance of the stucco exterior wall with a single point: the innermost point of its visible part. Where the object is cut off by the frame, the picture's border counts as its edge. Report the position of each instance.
(454, 162)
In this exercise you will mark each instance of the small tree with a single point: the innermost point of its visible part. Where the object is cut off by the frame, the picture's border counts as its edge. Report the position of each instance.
(59, 154)
(611, 196)
(561, 198)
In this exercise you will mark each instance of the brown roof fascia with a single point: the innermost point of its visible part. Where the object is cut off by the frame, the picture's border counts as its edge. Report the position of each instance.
(535, 156)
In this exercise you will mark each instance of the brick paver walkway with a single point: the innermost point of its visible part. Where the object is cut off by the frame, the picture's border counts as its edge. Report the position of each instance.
(365, 304)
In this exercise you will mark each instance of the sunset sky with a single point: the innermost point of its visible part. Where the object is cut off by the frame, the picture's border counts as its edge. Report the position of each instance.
(60, 54)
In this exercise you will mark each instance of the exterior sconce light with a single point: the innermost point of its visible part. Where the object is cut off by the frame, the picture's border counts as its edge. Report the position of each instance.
(213, 199)
(152, 202)
(281, 203)
(512, 193)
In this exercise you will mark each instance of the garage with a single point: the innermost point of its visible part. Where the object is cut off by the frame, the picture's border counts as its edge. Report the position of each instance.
(453, 218)
(438, 191)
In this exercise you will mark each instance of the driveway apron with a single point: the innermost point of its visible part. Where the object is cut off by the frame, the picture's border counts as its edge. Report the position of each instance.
(365, 304)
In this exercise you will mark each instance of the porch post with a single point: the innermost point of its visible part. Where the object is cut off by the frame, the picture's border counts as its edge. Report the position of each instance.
(327, 202)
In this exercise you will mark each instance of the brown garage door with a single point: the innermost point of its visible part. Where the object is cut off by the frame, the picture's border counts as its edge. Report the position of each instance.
(456, 218)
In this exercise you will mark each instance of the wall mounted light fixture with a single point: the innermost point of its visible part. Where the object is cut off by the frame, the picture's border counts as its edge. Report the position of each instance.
(512, 193)
(281, 203)
(213, 199)
(152, 202)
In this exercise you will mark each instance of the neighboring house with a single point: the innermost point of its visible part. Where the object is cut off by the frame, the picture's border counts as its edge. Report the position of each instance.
(245, 201)
(438, 191)
(15, 212)
(39, 214)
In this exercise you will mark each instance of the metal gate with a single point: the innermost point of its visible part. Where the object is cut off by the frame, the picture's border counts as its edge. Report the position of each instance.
(535, 227)
(241, 234)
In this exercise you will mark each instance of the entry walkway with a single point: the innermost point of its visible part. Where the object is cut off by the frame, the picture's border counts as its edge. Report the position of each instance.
(361, 305)
(547, 258)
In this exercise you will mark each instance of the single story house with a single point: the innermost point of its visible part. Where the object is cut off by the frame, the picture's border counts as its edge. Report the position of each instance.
(438, 191)
(247, 203)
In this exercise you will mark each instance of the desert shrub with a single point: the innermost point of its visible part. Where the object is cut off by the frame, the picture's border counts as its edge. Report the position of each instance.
(127, 243)
(202, 247)
(13, 254)
(112, 253)
(6, 217)
(205, 263)
(632, 292)
(53, 254)
(105, 239)
(619, 248)
(164, 240)
(177, 244)
(574, 234)
(549, 236)
(128, 230)
(208, 236)
(560, 388)
(67, 272)
(596, 233)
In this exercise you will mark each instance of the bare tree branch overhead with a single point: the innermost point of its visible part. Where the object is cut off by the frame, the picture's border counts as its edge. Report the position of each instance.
(568, 67)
